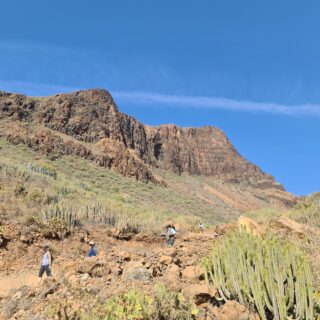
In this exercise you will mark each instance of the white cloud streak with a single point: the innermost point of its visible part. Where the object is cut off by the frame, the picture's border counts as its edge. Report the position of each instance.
(151, 99)
(214, 103)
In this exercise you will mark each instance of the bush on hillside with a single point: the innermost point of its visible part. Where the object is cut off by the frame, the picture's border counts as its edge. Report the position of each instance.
(161, 304)
(273, 278)
(308, 211)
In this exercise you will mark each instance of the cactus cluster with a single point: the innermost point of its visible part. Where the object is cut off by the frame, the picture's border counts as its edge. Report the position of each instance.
(70, 216)
(60, 214)
(273, 277)
(43, 169)
(98, 214)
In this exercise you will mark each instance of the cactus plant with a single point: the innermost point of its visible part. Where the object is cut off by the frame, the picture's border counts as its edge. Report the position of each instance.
(44, 169)
(65, 215)
(275, 278)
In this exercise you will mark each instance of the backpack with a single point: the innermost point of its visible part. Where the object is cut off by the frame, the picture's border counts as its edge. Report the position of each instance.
(52, 258)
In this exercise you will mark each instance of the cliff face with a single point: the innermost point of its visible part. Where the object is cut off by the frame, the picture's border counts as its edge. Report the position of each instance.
(88, 124)
(204, 151)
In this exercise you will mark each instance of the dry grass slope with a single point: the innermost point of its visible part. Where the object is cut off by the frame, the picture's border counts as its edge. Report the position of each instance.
(36, 186)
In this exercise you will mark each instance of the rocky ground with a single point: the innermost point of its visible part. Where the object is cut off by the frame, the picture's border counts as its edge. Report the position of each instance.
(78, 281)
(124, 262)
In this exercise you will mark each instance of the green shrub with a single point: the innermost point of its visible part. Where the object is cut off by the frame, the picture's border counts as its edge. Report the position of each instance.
(20, 190)
(275, 278)
(308, 212)
(171, 305)
(32, 220)
(161, 304)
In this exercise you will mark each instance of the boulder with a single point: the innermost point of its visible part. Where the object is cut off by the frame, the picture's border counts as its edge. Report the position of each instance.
(192, 274)
(88, 265)
(165, 260)
(199, 293)
(136, 271)
(233, 310)
(172, 278)
(84, 277)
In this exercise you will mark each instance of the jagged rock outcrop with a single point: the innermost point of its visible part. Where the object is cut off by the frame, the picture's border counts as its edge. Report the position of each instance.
(88, 124)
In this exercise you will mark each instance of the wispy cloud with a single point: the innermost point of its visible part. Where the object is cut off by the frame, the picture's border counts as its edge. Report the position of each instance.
(154, 99)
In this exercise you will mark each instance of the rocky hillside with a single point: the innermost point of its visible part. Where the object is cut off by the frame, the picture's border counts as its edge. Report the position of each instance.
(81, 286)
(88, 124)
(118, 141)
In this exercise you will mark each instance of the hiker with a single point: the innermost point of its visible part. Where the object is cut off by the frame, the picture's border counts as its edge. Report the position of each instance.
(171, 234)
(201, 227)
(46, 262)
(92, 250)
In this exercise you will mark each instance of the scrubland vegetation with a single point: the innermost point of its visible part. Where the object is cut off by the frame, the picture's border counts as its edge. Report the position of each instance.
(160, 304)
(77, 192)
(276, 275)
(308, 212)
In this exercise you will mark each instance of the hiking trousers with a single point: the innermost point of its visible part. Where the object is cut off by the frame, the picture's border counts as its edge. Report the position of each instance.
(170, 241)
(45, 269)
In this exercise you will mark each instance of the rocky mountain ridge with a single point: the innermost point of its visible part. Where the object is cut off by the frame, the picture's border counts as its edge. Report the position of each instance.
(88, 124)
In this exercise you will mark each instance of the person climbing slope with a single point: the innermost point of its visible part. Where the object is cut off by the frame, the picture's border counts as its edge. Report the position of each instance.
(171, 234)
(92, 250)
(46, 262)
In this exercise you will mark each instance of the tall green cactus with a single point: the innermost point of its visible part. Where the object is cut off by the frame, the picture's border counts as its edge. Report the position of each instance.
(66, 215)
(273, 277)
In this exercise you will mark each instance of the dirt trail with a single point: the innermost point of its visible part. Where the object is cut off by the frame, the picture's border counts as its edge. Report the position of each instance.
(30, 278)
(16, 281)
(27, 278)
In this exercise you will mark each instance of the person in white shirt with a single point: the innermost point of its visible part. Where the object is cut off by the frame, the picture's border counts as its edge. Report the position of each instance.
(201, 227)
(171, 234)
(46, 262)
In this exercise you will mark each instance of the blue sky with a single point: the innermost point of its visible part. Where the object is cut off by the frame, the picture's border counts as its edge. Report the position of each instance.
(251, 68)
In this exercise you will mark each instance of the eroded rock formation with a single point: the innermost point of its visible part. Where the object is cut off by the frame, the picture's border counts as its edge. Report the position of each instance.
(88, 124)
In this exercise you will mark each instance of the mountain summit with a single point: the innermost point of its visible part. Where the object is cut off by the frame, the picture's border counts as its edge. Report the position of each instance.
(88, 124)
